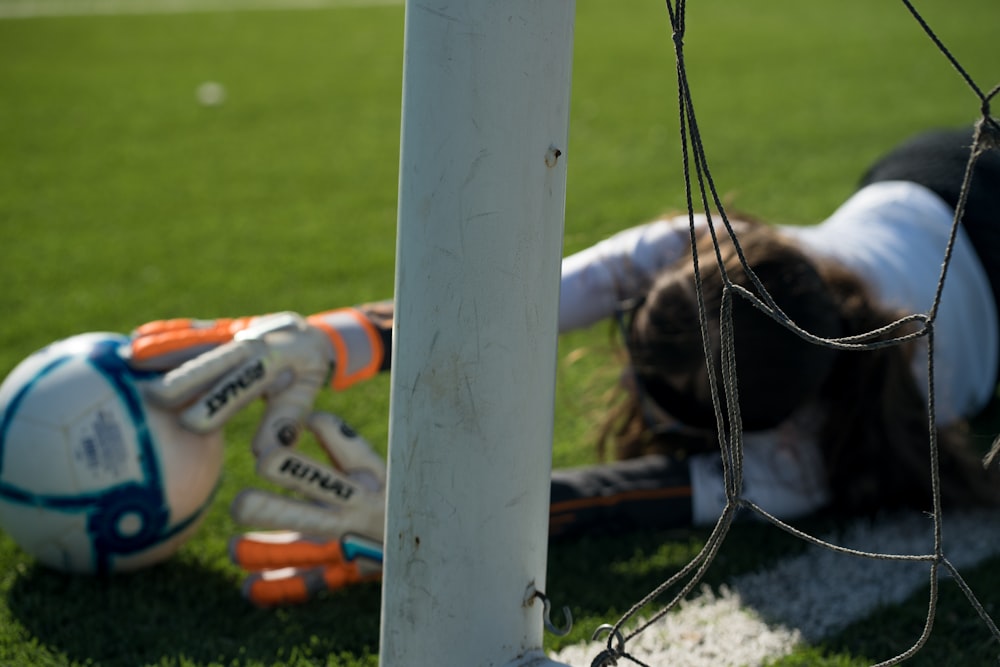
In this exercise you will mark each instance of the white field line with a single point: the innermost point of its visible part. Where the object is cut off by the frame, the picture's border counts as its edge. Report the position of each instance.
(763, 615)
(25, 9)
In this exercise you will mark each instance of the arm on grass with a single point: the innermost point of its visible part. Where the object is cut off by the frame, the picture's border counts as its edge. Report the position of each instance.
(594, 281)
(783, 475)
(648, 492)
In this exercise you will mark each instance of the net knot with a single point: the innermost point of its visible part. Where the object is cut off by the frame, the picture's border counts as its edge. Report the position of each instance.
(987, 135)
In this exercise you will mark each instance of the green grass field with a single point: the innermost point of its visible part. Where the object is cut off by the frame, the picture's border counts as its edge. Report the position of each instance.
(123, 200)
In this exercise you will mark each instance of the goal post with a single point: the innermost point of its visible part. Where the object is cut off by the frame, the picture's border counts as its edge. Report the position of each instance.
(486, 92)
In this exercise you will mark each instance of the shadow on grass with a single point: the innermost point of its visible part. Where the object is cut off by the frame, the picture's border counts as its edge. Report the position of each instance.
(188, 611)
(600, 578)
(185, 610)
(959, 637)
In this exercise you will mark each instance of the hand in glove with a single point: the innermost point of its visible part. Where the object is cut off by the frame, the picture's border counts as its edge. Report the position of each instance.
(217, 367)
(330, 538)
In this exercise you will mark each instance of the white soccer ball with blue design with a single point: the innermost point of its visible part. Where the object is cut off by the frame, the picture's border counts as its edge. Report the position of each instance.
(93, 479)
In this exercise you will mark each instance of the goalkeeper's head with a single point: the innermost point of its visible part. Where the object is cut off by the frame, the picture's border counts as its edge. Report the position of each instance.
(776, 370)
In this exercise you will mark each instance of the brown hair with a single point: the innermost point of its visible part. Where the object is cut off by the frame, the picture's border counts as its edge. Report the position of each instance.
(874, 437)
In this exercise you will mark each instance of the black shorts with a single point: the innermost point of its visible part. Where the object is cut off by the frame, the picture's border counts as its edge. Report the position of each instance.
(937, 160)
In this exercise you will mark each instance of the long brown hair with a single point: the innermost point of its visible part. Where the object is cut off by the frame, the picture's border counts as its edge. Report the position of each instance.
(874, 437)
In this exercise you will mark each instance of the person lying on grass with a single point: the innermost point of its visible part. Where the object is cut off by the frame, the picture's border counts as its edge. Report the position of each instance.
(841, 426)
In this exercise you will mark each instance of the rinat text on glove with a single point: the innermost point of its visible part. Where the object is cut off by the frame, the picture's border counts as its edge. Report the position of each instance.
(315, 476)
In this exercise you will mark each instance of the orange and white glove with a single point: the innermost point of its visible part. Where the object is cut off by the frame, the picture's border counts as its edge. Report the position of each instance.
(217, 367)
(163, 345)
(330, 536)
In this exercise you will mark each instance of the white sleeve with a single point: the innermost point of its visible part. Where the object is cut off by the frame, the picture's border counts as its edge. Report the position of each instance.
(596, 280)
(783, 473)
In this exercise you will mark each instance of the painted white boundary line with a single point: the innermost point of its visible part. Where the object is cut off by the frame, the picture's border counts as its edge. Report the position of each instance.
(25, 9)
(762, 615)
(710, 630)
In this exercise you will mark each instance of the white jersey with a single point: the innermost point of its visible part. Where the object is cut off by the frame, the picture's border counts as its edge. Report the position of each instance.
(893, 235)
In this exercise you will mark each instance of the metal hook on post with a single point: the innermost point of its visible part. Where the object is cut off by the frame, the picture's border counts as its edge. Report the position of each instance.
(530, 596)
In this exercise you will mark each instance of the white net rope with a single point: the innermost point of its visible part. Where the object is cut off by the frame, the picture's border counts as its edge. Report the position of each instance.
(910, 327)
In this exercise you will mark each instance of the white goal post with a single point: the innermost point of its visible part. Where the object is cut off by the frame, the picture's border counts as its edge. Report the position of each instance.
(486, 92)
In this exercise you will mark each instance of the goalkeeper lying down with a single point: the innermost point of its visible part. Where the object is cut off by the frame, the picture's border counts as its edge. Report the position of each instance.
(825, 428)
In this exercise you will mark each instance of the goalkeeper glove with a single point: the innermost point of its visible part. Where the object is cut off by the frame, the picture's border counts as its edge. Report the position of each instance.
(330, 539)
(217, 367)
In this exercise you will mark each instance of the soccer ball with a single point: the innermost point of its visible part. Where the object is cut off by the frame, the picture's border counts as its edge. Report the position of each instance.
(94, 479)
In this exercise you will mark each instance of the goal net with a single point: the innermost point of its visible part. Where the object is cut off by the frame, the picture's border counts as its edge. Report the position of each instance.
(931, 550)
